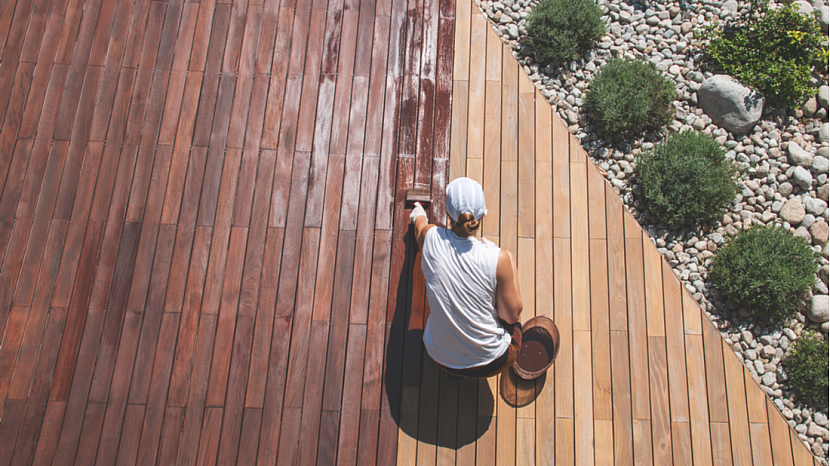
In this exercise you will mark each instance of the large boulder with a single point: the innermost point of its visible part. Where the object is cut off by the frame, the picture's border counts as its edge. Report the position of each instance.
(730, 104)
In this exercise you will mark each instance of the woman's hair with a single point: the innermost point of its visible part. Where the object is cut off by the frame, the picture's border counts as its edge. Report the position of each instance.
(466, 225)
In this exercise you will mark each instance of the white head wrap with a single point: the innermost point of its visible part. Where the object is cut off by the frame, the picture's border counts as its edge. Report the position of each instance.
(465, 196)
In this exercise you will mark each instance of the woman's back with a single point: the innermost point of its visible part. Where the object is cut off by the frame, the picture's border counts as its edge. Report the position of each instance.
(463, 328)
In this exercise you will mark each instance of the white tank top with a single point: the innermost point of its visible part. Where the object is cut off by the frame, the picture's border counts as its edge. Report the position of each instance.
(463, 329)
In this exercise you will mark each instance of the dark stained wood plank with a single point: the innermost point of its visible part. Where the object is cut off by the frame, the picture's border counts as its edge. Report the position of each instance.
(301, 325)
(219, 253)
(131, 434)
(261, 350)
(11, 345)
(363, 247)
(118, 390)
(225, 335)
(272, 128)
(12, 417)
(85, 454)
(173, 417)
(209, 441)
(309, 425)
(249, 437)
(190, 326)
(49, 433)
(234, 402)
(290, 262)
(149, 446)
(38, 160)
(324, 282)
(27, 382)
(188, 446)
(349, 421)
(273, 397)
(179, 73)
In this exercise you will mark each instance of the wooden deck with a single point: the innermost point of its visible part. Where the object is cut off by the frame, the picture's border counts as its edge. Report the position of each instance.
(205, 260)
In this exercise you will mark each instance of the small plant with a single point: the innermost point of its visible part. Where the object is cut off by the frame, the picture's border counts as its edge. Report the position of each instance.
(775, 53)
(806, 365)
(561, 30)
(686, 178)
(766, 270)
(628, 96)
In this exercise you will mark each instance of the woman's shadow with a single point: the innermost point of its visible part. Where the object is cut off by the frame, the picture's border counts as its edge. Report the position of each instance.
(425, 402)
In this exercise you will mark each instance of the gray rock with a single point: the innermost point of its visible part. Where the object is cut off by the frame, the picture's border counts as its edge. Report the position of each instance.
(731, 5)
(819, 311)
(785, 188)
(792, 211)
(824, 18)
(814, 206)
(820, 419)
(820, 232)
(815, 430)
(810, 106)
(803, 7)
(730, 104)
(802, 232)
(820, 165)
(799, 156)
(803, 177)
(768, 379)
(824, 133)
(824, 95)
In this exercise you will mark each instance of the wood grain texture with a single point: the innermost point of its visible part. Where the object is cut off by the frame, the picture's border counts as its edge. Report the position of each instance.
(204, 257)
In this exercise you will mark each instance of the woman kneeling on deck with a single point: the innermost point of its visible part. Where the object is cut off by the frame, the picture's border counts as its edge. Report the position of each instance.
(473, 328)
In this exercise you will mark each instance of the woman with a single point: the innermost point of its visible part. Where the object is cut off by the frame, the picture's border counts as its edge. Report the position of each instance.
(473, 329)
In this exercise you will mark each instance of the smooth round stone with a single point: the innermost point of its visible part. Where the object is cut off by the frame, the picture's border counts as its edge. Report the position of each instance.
(792, 211)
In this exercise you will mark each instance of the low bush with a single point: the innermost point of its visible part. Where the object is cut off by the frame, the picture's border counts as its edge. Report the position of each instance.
(561, 30)
(775, 53)
(806, 365)
(686, 178)
(766, 270)
(628, 96)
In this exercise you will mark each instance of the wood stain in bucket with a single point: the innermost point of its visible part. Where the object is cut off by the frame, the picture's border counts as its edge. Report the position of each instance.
(536, 351)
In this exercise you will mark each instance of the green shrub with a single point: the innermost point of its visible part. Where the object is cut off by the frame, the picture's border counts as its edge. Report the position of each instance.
(628, 96)
(766, 270)
(774, 54)
(686, 178)
(806, 365)
(561, 30)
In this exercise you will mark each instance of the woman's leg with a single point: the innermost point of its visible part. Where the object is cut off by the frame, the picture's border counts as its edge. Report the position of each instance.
(501, 363)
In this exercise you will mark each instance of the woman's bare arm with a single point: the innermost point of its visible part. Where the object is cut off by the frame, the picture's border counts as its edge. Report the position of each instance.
(421, 228)
(508, 296)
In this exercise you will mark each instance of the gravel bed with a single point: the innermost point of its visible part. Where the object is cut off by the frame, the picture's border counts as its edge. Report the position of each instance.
(783, 162)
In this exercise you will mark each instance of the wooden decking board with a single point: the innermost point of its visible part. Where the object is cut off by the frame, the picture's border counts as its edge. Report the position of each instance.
(204, 252)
